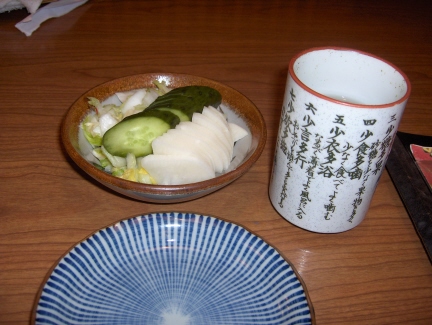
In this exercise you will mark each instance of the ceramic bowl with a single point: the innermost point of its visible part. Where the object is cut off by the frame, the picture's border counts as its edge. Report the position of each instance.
(239, 110)
(173, 268)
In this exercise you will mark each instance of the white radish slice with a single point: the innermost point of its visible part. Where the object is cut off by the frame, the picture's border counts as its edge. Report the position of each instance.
(210, 110)
(222, 132)
(176, 170)
(237, 132)
(174, 143)
(210, 142)
(209, 147)
(205, 133)
(180, 144)
(217, 117)
(206, 122)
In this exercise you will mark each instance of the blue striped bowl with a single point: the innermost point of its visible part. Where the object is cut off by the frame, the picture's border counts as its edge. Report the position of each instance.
(173, 268)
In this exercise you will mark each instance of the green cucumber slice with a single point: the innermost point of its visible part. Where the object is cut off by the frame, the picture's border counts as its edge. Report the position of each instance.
(188, 99)
(181, 115)
(136, 133)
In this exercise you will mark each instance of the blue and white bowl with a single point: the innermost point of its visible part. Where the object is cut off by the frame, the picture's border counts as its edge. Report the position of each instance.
(173, 268)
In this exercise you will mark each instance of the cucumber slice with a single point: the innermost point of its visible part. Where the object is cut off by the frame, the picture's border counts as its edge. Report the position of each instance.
(136, 133)
(182, 116)
(188, 99)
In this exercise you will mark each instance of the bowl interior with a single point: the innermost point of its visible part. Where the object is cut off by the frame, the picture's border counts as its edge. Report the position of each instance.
(174, 268)
(236, 106)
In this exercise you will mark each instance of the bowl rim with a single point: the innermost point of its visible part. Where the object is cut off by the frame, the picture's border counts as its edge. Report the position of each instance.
(161, 214)
(166, 190)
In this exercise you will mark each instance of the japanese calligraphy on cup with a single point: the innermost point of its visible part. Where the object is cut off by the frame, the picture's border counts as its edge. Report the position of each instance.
(341, 111)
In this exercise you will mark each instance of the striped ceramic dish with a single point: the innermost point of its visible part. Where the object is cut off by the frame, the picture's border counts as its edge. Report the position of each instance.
(173, 268)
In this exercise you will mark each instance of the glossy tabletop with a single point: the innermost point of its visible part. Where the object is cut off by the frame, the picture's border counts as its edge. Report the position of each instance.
(377, 273)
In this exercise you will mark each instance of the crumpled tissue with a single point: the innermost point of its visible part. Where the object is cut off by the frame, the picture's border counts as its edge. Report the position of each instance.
(9, 5)
(52, 10)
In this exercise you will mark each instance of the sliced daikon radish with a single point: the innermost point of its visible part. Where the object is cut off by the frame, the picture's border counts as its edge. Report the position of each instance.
(176, 170)
(219, 119)
(180, 144)
(210, 142)
(237, 132)
(211, 149)
(210, 110)
(211, 134)
(222, 132)
(169, 144)
(214, 115)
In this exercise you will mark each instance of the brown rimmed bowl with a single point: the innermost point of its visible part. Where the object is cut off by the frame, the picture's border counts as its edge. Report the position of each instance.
(238, 109)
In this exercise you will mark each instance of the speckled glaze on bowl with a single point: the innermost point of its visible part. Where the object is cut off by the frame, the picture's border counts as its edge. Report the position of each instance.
(241, 108)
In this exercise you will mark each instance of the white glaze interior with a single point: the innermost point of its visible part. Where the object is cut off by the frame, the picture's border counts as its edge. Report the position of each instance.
(350, 76)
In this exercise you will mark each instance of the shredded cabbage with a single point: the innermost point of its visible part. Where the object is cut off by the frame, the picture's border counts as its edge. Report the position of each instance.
(90, 126)
(107, 114)
(162, 87)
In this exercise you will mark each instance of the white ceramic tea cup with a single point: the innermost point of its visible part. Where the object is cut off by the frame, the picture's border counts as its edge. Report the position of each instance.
(340, 114)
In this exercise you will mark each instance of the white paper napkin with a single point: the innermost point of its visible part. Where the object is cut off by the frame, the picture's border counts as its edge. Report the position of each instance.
(52, 10)
(9, 5)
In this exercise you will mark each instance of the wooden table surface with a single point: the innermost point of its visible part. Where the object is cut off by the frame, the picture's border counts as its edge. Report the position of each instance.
(377, 273)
